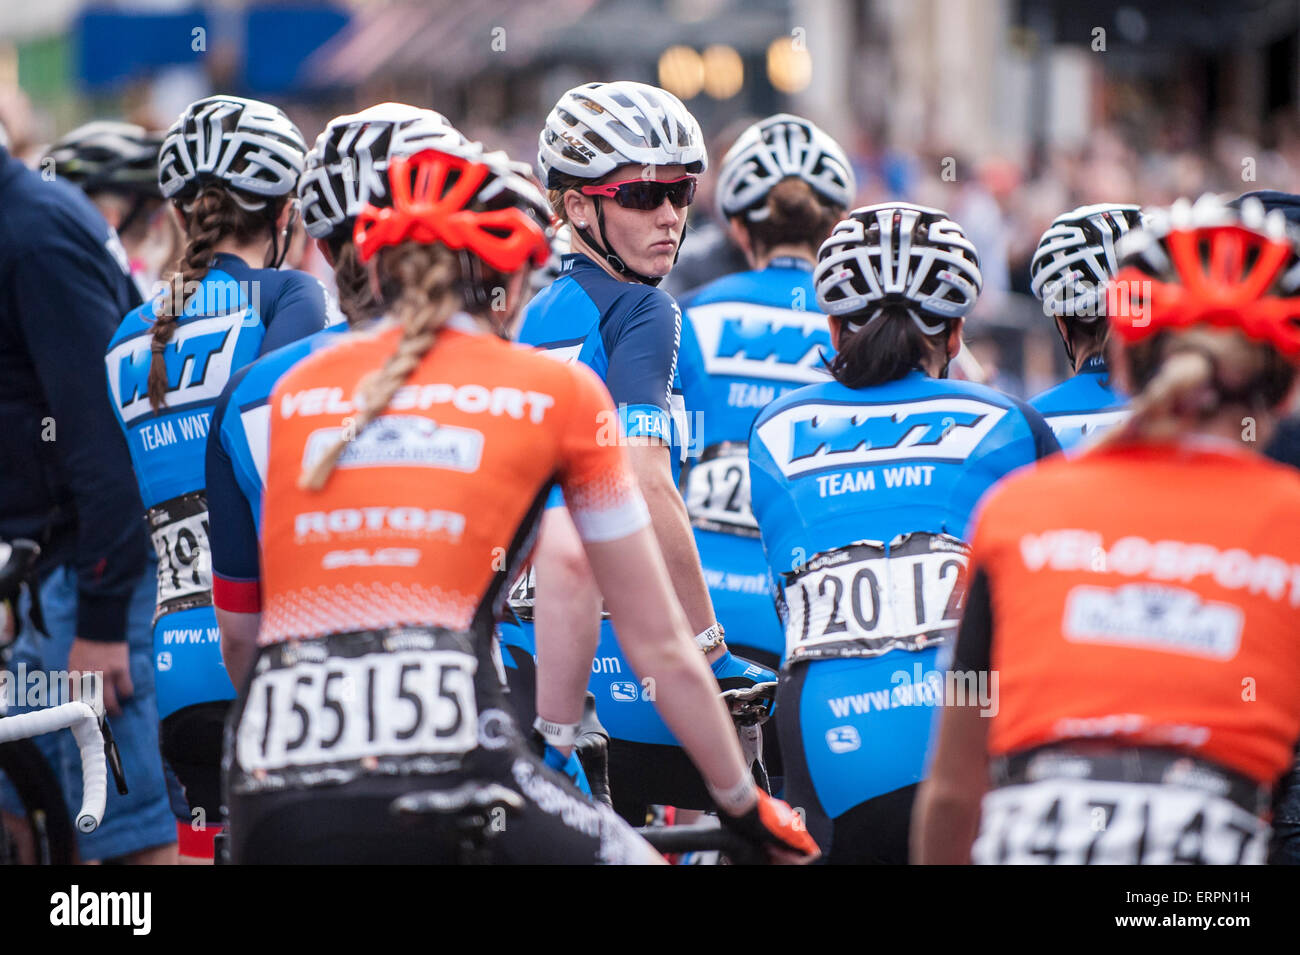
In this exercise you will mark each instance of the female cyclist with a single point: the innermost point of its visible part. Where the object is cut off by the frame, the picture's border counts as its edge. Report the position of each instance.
(230, 165)
(1074, 261)
(1131, 600)
(345, 171)
(407, 469)
(620, 161)
(862, 488)
(751, 337)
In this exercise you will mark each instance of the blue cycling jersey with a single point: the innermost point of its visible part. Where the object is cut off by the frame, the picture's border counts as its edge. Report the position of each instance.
(236, 469)
(747, 339)
(1083, 405)
(234, 315)
(629, 334)
(839, 478)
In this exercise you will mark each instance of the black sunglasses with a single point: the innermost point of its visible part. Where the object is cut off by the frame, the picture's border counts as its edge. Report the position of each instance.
(646, 194)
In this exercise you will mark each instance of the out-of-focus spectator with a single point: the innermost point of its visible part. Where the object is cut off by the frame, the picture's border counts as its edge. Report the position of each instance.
(66, 482)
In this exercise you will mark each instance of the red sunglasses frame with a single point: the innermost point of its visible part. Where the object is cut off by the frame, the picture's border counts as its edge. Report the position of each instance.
(610, 190)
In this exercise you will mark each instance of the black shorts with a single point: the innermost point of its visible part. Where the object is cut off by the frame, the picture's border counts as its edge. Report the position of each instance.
(190, 740)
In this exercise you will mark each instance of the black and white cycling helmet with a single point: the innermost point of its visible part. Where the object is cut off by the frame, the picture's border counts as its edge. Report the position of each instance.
(778, 148)
(597, 127)
(1076, 257)
(901, 254)
(250, 147)
(108, 156)
(347, 169)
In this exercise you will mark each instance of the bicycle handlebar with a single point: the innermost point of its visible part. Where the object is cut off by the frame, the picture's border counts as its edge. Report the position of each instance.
(84, 723)
(702, 839)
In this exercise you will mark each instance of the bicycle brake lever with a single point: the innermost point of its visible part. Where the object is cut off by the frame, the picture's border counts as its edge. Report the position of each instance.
(114, 757)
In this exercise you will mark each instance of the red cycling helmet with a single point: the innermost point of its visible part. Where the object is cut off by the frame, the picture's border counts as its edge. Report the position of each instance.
(1209, 264)
(471, 201)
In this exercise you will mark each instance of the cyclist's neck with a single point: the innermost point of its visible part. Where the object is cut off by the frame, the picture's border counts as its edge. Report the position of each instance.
(786, 252)
(252, 254)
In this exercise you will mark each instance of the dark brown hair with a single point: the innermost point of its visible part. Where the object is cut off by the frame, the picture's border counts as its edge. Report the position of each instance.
(883, 350)
(214, 215)
(795, 216)
(356, 298)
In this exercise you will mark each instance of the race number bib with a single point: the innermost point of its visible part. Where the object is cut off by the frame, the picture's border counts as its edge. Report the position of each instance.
(523, 596)
(717, 491)
(867, 598)
(1093, 822)
(179, 528)
(342, 709)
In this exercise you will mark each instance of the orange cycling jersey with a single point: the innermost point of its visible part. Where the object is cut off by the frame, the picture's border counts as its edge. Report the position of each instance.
(434, 505)
(1149, 595)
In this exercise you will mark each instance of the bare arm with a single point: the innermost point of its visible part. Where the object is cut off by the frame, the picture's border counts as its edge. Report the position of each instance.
(566, 618)
(654, 634)
(947, 815)
(238, 643)
(672, 529)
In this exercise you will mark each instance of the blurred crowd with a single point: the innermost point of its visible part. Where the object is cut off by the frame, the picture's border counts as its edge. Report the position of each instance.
(1004, 203)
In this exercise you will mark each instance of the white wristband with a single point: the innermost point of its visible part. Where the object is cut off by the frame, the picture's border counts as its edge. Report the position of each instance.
(737, 799)
(710, 638)
(558, 735)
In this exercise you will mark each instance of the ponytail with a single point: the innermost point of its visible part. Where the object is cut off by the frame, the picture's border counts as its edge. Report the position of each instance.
(792, 214)
(885, 349)
(424, 278)
(1181, 380)
(214, 215)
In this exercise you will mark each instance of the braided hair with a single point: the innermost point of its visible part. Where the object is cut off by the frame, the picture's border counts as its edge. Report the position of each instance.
(425, 281)
(214, 215)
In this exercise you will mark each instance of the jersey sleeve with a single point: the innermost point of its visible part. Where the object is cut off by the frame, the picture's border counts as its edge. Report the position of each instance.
(299, 310)
(600, 489)
(1045, 440)
(232, 532)
(642, 348)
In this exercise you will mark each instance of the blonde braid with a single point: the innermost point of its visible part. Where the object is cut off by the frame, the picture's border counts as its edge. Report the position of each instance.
(427, 276)
(1184, 387)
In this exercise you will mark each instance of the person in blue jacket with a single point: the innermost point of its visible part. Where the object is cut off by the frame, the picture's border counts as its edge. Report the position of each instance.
(1074, 260)
(748, 338)
(66, 483)
(230, 166)
(863, 488)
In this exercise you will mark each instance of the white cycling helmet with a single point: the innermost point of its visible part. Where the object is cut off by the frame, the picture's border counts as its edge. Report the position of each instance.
(250, 147)
(898, 253)
(347, 169)
(1076, 257)
(778, 148)
(597, 127)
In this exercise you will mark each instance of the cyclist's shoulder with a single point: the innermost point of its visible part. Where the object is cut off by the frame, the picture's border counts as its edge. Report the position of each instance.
(828, 391)
(256, 379)
(135, 322)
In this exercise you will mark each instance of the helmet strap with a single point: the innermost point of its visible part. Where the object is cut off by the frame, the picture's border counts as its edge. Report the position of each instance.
(133, 214)
(614, 262)
(278, 253)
